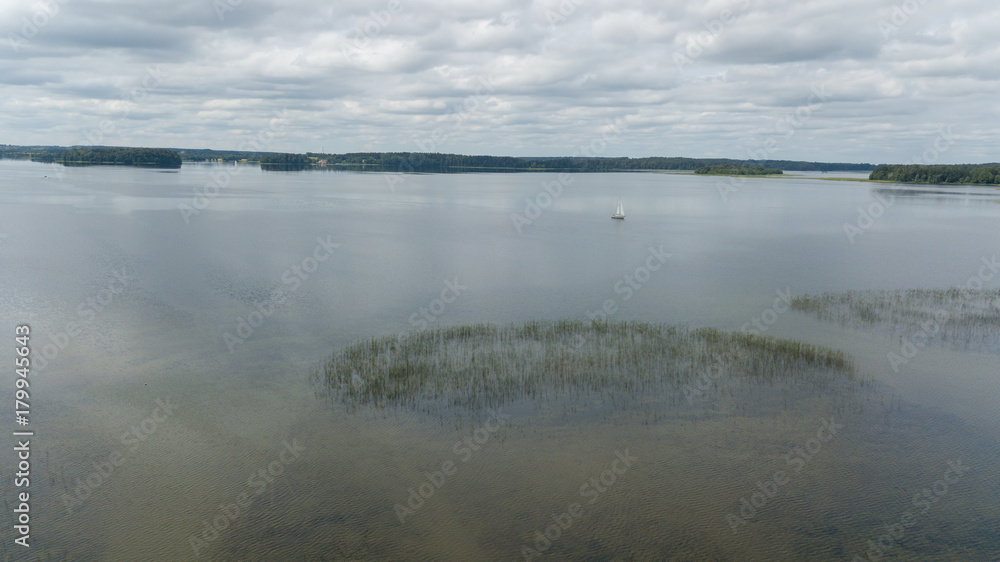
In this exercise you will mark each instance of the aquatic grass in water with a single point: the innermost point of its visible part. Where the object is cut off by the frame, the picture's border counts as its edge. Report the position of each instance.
(488, 365)
(952, 318)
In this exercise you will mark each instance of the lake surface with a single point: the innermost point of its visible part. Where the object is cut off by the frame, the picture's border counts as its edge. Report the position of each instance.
(175, 335)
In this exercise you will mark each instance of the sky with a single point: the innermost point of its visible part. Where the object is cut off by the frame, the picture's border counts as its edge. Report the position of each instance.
(876, 81)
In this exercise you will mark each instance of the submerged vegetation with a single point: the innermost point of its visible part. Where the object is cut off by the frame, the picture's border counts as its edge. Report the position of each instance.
(737, 170)
(954, 318)
(987, 174)
(488, 365)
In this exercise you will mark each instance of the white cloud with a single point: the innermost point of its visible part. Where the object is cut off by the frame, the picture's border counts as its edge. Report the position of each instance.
(381, 75)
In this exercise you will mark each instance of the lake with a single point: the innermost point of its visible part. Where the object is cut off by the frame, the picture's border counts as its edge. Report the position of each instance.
(178, 319)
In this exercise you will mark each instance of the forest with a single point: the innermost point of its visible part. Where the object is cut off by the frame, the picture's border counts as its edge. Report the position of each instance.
(209, 155)
(981, 174)
(436, 162)
(146, 157)
(411, 161)
(737, 170)
(34, 153)
(285, 162)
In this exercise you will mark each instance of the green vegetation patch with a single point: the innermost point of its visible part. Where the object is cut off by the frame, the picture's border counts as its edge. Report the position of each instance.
(458, 163)
(986, 174)
(147, 157)
(953, 318)
(737, 170)
(487, 365)
(285, 161)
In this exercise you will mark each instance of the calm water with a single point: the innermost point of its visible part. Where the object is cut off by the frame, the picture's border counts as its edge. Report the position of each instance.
(222, 314)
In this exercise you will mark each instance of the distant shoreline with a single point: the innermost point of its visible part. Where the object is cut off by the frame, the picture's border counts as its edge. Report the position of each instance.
(402, 162)
(439, 163)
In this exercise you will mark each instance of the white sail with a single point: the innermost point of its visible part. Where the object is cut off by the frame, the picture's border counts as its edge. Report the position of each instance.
(620, 213)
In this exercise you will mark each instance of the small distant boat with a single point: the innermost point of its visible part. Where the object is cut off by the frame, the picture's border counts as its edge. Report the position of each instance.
(620, 213)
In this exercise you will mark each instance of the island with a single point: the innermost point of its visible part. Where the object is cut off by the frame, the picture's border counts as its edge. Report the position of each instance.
(113, 156)
(284, 162)
(969, 174)
(737, 170)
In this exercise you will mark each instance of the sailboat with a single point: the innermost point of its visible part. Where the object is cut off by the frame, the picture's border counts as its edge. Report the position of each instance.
(620, 213)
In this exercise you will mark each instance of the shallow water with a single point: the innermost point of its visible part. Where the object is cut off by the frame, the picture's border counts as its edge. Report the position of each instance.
(191, 282)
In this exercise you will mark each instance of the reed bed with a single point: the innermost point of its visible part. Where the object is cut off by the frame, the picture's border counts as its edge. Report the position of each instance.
(488, 365)
(952, 318)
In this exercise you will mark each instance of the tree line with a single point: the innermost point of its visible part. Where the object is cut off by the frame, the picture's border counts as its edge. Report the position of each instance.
(437, 162)
(150, 157)
(737, 170)
(983, 174)
(34, 153)
(285, 161)
(209, 155)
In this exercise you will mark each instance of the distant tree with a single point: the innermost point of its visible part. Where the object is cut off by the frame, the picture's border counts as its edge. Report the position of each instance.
(285, 162)
(146, 157)
(732, 170)
(286, 159)
(985, 174)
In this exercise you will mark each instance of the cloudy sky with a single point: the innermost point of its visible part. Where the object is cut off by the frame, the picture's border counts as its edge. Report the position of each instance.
(826, 80)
